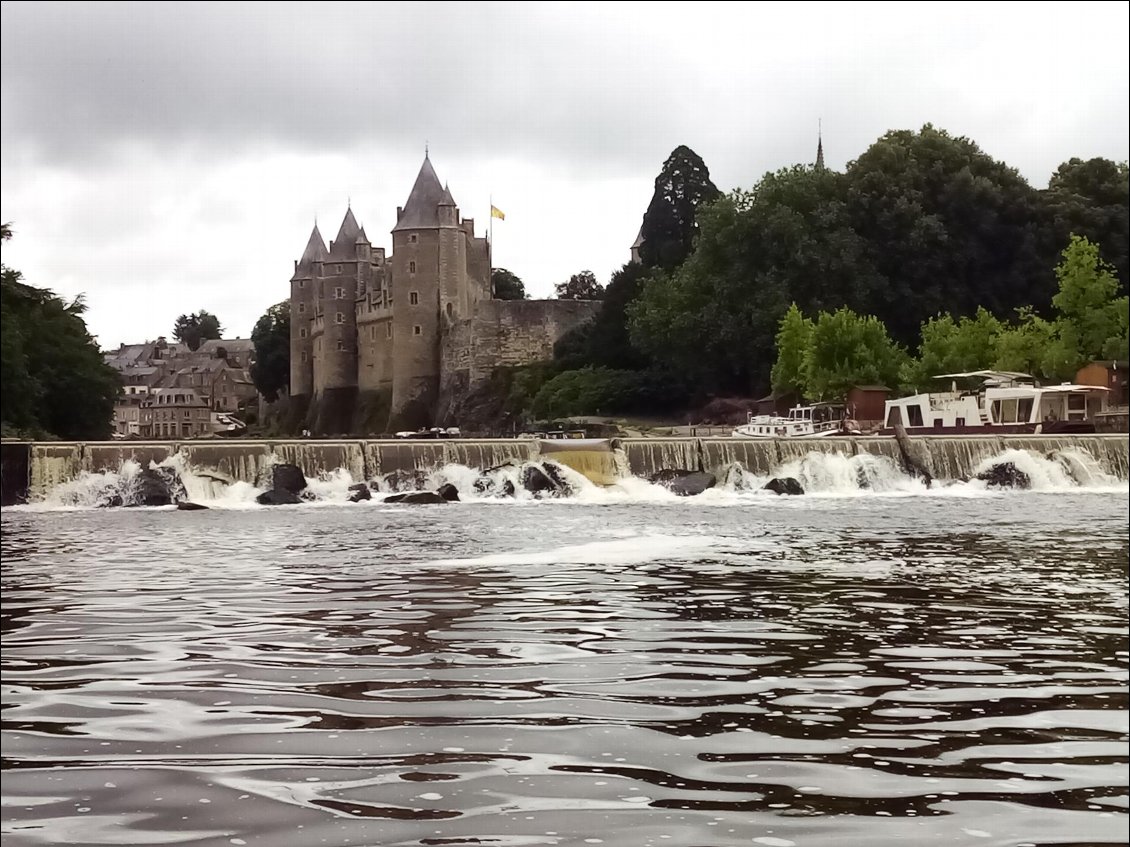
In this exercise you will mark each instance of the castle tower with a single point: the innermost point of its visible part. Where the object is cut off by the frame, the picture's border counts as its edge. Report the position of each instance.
(820, 149)
(335, 345)
(422, 264)
(302, 305)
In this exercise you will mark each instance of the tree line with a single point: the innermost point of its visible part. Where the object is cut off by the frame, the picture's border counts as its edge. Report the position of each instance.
(55, 381)
(821, 358)
(922, 231)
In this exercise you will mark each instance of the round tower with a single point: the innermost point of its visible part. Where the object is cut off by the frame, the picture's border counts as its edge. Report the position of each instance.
(419, 260)
(335, 377)
(302, 303)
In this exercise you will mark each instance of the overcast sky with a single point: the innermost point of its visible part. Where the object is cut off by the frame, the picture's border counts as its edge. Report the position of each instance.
(170, 157)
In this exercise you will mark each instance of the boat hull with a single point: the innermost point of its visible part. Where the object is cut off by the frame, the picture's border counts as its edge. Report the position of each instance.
(1044, 428)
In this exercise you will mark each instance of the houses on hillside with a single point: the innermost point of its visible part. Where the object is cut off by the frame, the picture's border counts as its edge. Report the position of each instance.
(169, 391)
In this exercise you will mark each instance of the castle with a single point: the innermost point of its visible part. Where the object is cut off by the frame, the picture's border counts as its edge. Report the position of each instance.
(387, 342)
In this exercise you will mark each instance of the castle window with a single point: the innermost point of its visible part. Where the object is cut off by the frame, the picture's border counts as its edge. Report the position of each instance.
(450, 310)
(301, 283)
(337, 269)
(188, 413)
(341, 345)
(388, 330)
(417, 330)
(340, 318)
(413, 238)
(301, 307)
(304, 355)
(302, 332)
(373, 332)
(411, 267)
(414, 298)
(339, 293)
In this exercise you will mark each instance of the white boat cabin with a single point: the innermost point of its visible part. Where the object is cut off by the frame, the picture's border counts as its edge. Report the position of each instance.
(802, 422)
(1003, 399)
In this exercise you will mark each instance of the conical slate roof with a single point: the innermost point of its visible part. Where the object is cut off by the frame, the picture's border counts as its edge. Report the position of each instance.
(420, 211)
(362, 238)
(343, 245)
(315, 252)
(447, 199)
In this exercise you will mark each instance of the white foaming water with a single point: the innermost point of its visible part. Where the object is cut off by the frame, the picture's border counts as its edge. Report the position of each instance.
(836, 473)
(92, 490)
(821, 474)
(1063, 469)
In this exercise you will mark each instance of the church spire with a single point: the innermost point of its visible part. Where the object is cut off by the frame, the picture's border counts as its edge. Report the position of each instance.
(819, 146)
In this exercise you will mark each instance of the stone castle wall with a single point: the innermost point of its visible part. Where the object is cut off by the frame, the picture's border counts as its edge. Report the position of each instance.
(507, 333)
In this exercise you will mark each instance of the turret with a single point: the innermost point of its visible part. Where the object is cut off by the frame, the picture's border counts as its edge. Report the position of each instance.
(419, 251)
(307, 269)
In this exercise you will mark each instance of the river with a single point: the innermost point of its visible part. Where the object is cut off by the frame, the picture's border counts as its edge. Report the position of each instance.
(945, 666)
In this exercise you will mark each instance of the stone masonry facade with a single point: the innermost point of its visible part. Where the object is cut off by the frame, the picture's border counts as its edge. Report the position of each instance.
(401, 331)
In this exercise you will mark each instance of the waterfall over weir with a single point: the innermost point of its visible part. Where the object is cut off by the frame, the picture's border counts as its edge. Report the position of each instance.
(32, 470)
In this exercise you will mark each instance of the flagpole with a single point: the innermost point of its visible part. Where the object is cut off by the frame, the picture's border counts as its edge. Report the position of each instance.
(490, 246)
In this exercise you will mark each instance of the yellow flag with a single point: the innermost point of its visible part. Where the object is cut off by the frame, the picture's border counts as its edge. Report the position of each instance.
(496, 212)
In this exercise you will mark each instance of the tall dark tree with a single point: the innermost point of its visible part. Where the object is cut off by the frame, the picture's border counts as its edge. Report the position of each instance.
(788, 240)
(193, 330)
(581, 286)
(949, 227)
(669, 224)
(604, 341)
(507, 285)
(1092, 199)
(54, 378)
(271, 336)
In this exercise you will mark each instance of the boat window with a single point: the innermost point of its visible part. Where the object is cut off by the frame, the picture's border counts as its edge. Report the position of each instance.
(959, 422)
(1024, 409)
(1007, 411)
(1076, 402)
(915, 415)
(894, 416)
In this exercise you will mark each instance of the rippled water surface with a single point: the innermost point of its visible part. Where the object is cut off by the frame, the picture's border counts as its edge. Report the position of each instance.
(858, 671)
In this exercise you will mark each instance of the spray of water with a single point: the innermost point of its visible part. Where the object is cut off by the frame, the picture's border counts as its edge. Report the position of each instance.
(822, 474)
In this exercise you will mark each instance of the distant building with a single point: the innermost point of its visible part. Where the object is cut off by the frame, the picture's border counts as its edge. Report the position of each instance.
(217, 373)
(1109, 374)
(174, 413)
(384, 342)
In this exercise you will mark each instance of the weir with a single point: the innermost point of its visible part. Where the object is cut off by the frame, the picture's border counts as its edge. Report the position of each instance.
(32, 469)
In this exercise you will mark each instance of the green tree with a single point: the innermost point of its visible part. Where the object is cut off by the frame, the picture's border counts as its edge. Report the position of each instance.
(581, 286)
(669, 224)
(54, 377)
(604, 341)
(1032, 346)
(788, 240)
(1087, 299)
(602, 391)
(271, 337)
(847, 349)
(193, 330)
(948, 227)
(1092, 198)
(955, 346)
(793, 340)
(507, 285)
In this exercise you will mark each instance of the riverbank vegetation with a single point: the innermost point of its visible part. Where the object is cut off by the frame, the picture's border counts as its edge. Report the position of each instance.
(55, 383)
(924, 241)
(821, 358)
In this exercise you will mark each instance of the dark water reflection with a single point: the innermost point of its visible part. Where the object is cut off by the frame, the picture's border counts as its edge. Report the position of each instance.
(848, 672)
